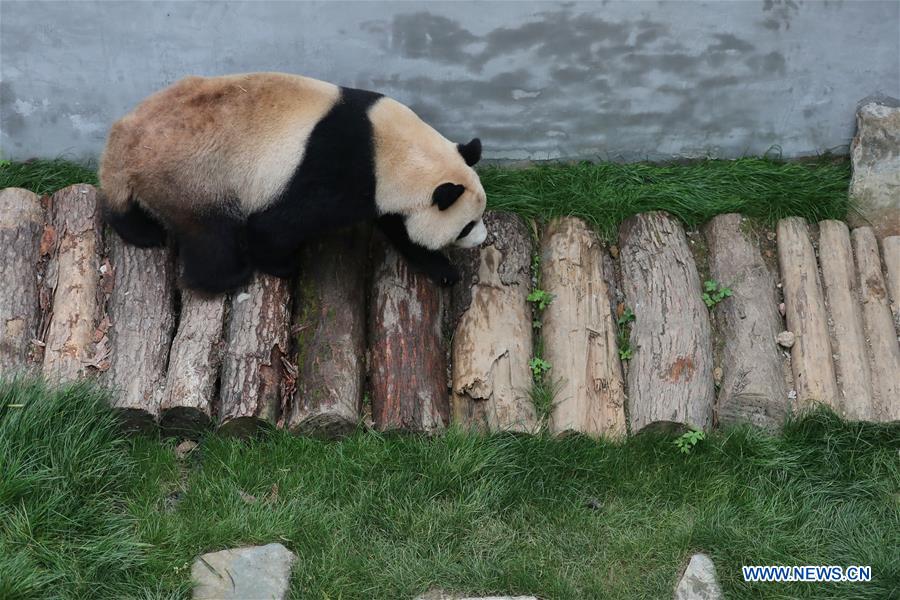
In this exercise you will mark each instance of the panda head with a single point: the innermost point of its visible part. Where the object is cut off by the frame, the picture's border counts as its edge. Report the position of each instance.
(427, 179)
(453, 217)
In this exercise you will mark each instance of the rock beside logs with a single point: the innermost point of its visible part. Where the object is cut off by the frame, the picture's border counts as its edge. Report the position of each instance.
(670, 376)
(186, 407)
(21, 227)
(849, 339)
(407, 372)
(753, 388)
(579, 333)
(876, 169)
(141, 314)
(330, 335)
(72, 280)
(811, 360)
(256, 340)
(885, 351)
(492, 330)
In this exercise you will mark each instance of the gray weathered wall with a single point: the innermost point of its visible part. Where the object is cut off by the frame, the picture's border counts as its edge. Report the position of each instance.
(618, 80)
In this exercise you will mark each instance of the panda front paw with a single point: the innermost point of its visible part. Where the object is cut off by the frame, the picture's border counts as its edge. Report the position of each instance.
(448, 276)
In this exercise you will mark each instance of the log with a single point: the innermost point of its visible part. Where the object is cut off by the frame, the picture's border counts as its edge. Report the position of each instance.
(186, 407)
(72, 281)
(408, 361)
(256, 340)
(670, 376)
(885, 351)
(579, 333)
(330, 335)
(848, 336)
(492, 330)
(21, 227)
(141, 312)
(890, 250)
(811, 360)
(752, 389)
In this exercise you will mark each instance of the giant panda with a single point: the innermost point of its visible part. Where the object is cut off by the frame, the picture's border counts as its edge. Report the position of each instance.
(241, 169)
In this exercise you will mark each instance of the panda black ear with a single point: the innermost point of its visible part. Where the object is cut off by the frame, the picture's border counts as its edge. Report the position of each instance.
(470, 152)
(446, 194)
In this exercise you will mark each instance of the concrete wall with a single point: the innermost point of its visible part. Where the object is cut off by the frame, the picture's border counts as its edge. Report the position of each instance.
(616, 80)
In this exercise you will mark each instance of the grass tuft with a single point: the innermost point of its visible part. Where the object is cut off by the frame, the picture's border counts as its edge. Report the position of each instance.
(45, 176)
(605, 194)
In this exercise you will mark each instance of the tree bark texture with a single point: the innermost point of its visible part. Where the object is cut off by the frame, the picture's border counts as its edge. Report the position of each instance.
(330, 334)
(21, 228)
(256, 340)
(811, 354)
(670, 378)
(72, 280)
(890, 250)
(848, 334)
(187, 404)
(492, 330)
(753, 389)
(408, 362)
(141, 312)
(579, 333)
(885, 350)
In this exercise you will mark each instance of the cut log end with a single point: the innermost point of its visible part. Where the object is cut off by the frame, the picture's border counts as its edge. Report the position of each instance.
(186, 422)
(136, 420)
(244, 427)
(327, 425)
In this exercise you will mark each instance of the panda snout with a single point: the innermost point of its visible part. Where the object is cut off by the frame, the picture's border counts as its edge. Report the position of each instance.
(475, 236)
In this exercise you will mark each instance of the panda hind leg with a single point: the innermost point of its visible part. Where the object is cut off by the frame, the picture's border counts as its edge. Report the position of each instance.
(213, 255)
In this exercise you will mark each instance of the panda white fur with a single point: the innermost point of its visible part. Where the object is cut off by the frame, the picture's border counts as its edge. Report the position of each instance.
(241, 169)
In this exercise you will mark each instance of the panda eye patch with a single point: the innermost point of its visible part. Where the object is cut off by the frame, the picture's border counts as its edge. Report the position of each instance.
(446, 194)
(465, 230)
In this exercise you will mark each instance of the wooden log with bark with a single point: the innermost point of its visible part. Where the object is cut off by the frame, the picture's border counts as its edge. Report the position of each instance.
(492, 330)
(579, 333)
(890, 250)
(848, 335)
(670, 376)
(21, 228)
(256, 341)
(811, 354)
(885, 350)
(752, 389)
(330, 335)
(72, 281)
(407, 373)
(188, 398)
(141, 313)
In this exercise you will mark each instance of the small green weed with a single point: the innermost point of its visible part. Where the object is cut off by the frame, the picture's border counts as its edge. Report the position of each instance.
(539, 367)
(540, 298)
(624, 337)
(714, 292)
(688, 440)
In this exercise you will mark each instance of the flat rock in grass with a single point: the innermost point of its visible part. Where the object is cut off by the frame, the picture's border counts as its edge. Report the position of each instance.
(875, 185)
(261, 572)
(699, 581)
(442, 595)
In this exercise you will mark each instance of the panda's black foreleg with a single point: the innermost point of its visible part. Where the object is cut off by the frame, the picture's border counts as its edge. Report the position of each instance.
(431, 262)
(213, 255)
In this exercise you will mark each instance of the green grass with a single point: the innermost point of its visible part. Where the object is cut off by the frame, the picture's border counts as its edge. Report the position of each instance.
(86, 513)
(605, 194)
(45, 176)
